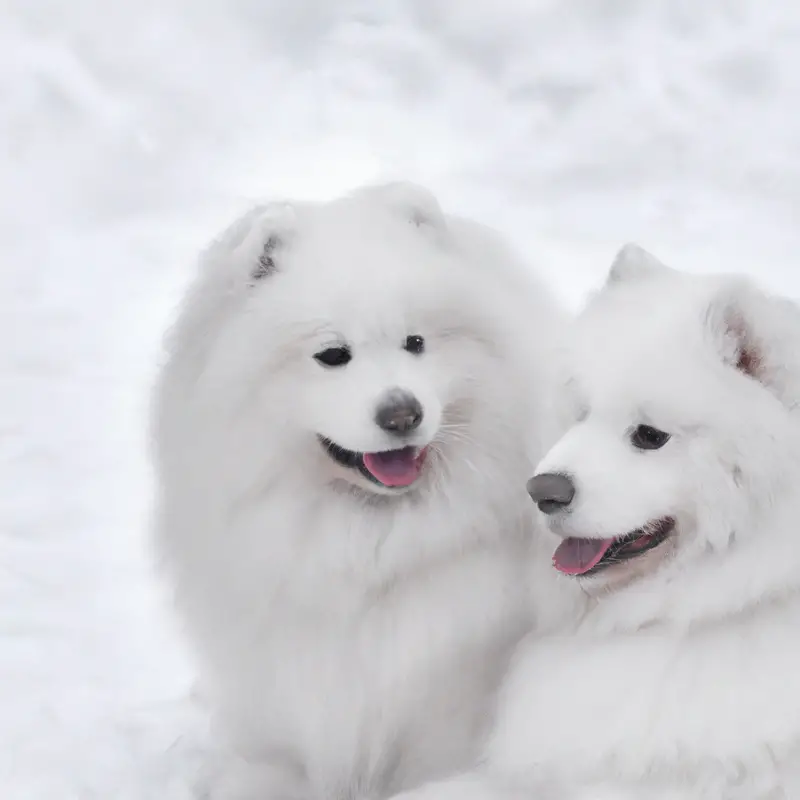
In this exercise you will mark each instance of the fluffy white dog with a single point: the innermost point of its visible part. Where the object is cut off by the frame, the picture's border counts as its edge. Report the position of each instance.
(343, 438)
(675, 497)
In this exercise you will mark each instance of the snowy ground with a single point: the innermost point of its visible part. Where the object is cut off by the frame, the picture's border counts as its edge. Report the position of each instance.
(132, 130)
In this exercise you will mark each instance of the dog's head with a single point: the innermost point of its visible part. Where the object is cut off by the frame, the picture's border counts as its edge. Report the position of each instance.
(685, 435)
(357, 340)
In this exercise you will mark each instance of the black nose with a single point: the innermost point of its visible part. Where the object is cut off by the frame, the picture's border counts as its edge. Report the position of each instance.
(399, 413)
(551, 491)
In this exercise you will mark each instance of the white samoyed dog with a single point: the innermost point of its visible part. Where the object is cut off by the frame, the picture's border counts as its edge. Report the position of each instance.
(343, 435)
(674, 501)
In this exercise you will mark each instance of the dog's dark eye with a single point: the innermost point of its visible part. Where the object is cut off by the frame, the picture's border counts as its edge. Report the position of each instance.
(645, 437)
(414, 344)
(334, 356)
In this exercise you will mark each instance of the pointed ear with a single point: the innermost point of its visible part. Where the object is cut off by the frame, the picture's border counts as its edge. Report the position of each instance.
(633, 262)
(758, 335)
(254, 241)
(735, 336)
(266, 261)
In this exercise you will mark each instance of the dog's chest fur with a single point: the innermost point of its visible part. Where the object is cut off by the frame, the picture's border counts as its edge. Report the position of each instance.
(712, 707)
(364, 689)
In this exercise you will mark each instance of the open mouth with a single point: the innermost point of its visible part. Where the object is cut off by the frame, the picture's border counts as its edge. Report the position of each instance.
(582, 557)
(393, 469)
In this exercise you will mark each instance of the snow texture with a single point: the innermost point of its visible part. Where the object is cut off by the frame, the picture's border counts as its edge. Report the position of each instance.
(131, 131)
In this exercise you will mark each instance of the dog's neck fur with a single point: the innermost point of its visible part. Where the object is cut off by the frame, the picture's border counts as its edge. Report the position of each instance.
(710, 699)
(709, 707)
(350, 626)
(756, 570)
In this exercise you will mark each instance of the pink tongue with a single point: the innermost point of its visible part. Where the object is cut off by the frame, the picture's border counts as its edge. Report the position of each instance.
(395, 467)
(577, 556)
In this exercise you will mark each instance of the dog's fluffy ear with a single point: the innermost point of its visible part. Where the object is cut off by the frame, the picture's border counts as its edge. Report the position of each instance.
(633, 262)
(244, 253)
(759, 335)
(735, 333)
(412, 202)
(266, 261)
(251, 244)
(267, 237)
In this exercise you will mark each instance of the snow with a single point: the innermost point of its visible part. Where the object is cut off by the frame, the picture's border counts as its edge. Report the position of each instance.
(131, 131)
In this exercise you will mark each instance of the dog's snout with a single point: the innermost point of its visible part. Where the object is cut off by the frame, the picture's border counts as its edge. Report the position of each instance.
(399, 413)
(551, 491)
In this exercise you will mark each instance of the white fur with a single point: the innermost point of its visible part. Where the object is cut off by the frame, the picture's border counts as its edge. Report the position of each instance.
(349, 639)
(681, 678)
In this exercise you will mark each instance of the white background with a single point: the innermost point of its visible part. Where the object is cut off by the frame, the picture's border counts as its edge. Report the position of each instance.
(132, 130)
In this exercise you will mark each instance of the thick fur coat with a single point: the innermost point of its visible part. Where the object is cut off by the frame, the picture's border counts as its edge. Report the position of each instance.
(353, 574)
(680, 678)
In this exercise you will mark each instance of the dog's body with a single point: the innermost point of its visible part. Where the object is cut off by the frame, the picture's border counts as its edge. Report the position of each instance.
(675, 498)
(343, 434)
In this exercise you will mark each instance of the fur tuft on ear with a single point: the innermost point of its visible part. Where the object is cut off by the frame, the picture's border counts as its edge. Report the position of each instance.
(242, 254)
(266, 261)
(739, 346)
(633, 262)
(758, 335)
(247, 248)
(748, 362)
(747, 356)
(268, 232)
(413, 202)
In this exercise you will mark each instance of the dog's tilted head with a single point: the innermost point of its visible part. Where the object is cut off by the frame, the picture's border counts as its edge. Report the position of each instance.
(355, 342)
(685, 435)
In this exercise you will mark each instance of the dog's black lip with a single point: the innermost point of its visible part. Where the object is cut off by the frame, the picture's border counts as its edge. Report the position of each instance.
(616, 553)
(341, 455)
(352, 459)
